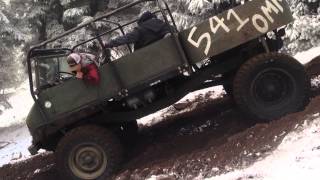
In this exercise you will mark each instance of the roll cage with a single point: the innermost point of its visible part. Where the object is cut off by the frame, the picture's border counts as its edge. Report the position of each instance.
(41, 50)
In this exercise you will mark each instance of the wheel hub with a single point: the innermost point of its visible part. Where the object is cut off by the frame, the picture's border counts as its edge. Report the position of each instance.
(272, 86)
(88, 161)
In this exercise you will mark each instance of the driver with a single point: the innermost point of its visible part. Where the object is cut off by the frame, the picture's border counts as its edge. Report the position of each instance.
(84, 67)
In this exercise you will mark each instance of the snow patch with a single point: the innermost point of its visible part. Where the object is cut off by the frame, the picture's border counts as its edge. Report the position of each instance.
(14, 143)
(159, 177)
(37, 171)
(158, 116)
(6, 1)
(315, 82)
(14, 135)
(306, 56)
(21, 103)
(296, 158)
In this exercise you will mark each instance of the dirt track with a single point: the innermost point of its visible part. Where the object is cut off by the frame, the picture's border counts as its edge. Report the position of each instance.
(209, 140)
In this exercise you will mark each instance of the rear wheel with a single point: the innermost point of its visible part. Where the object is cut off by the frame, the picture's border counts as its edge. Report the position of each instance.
(271, 85)
(88, 152)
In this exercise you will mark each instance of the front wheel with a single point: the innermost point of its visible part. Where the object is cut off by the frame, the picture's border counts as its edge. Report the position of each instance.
(271, 85)
(88, 152)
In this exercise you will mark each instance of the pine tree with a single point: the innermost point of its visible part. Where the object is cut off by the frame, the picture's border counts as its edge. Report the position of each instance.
(11, 37)
(21, 24)
(304, 32)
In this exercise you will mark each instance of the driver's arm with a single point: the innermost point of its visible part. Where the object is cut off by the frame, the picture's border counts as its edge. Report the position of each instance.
(129, 38)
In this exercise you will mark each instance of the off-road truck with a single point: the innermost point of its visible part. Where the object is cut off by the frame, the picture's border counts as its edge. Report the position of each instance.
(84, 124)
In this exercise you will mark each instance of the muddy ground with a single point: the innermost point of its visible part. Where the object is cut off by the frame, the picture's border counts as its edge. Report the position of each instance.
(210, 140)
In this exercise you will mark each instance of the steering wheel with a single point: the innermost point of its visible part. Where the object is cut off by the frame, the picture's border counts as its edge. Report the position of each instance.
(60, 76)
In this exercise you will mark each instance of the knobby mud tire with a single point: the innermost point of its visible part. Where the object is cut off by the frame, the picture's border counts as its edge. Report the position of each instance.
(284, 73)
(90, 134)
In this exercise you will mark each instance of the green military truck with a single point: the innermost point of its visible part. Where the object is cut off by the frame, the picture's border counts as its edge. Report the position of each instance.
(84, 124)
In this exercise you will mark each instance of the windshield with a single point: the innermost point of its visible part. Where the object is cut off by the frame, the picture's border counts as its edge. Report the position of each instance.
(50, 71)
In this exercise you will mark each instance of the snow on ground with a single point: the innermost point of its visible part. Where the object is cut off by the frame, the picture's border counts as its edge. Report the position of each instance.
(306, 56)
(21, 103)
(14, 134)
(296, 158)
(14, 143)
(155, 118)
(7, 1)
